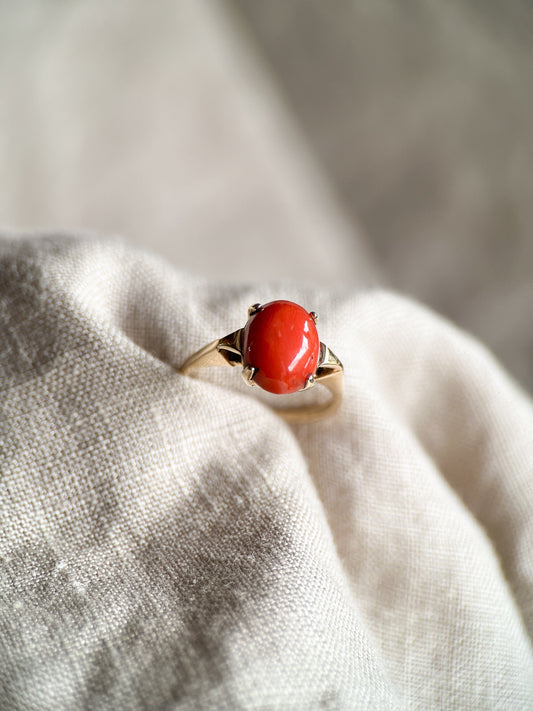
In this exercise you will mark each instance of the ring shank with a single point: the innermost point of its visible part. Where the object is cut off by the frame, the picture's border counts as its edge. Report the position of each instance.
(207, 357)
(316, 411)
(329, 374)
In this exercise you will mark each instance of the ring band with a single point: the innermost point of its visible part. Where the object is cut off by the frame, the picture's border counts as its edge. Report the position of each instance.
(279, 350)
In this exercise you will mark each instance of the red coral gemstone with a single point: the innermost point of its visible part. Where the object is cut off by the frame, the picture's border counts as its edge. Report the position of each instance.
(281, 341)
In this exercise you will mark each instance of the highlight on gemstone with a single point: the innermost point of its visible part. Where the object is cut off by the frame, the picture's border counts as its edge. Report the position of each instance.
(280, 343)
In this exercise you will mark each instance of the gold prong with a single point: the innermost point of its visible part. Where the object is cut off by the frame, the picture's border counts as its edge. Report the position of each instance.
(310, 381)
(254, 308)
(314, 315)
(248, 373)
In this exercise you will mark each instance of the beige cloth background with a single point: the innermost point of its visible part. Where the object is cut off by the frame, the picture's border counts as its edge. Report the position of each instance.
(169, 543)
(157, 122)
(157, 550)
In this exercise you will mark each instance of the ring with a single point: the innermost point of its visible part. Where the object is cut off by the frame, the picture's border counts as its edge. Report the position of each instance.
(280, 351)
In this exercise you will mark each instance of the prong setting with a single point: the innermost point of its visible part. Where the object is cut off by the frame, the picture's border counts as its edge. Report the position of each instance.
(248, 373)
(282, 342)
(314, 316)
(309, 382)
(254, 308)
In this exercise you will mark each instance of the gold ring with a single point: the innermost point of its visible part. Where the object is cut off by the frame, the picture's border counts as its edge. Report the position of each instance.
(280, 351)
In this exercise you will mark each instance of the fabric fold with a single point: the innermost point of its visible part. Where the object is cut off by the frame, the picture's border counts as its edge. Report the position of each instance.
(169, 542)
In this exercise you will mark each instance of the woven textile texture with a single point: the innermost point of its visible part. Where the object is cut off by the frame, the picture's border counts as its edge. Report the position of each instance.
(167, 542)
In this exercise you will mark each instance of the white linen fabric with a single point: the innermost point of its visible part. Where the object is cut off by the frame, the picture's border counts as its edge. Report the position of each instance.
(168, 542)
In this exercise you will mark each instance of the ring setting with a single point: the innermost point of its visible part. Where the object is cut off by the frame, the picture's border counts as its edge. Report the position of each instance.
(279, 351)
